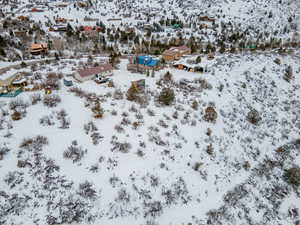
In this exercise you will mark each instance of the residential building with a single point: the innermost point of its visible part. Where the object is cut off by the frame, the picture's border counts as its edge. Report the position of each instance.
(103, 70)
(142, 64)
(175, 53)
(39, 48)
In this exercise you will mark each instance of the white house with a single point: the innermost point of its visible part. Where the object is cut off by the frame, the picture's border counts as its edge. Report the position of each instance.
(103, 70)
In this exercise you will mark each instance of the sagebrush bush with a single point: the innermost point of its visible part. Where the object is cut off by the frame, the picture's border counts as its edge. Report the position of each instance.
(210, 114)
(74, 152)
(253, 117)
(292, 176)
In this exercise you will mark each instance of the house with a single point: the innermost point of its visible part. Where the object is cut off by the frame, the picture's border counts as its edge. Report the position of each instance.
(20, 33)
(206, 18)
(90, 19)
(58, 28)
(103, 70)
(142, 64)
(62, 5)
(146, 60)
(37, 10)
(23, 18)
(40, 48)
(175, 53)
(11, 82)
(60, 20)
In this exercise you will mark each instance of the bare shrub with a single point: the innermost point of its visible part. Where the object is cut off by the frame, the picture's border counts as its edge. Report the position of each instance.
(74, 152)
(123, 196)
(13, 178)
(150, 112)
(90, 127)
(132, 93)
(78, 92)
(136, 125)
(35, 98)
(17, 104)
(16, 115)
(288, 75)
(133, 109)
(114, 112)
(125, 121)
(153, 209)
(118, 94)
(52, 81)
(86, 190)
(140, 153)
(119, 129)
(35, 143)
(51, 100)
(47, 121)
(98, 110)
(62, 117)
(195, 105)
(203, 84)
(166, 80)
(96, 138)
(163, 124)
(139, 116)
(121, 147)
(3, 151)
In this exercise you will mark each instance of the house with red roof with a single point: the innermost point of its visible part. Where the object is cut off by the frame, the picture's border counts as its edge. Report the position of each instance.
(92, 73)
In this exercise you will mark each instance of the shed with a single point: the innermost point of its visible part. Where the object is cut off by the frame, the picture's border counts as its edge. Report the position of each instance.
(68, 82)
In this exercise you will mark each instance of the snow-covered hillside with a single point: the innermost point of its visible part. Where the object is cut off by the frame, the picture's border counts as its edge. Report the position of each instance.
(156, 164)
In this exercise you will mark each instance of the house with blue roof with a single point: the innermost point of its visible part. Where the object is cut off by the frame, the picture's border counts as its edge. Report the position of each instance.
(147, 61)
(142, 64)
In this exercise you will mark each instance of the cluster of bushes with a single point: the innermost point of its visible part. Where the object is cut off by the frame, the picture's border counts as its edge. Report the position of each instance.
(166, 96)
(51, 100)
(90, 128)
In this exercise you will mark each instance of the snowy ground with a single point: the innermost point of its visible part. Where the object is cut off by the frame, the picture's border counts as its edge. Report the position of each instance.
(169, 174)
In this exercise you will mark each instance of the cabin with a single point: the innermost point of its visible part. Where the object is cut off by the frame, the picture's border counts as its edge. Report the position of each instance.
(92, 73)
(175, 53)
(40, 48)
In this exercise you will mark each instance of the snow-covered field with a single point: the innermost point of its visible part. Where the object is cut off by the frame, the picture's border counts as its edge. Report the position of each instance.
(157, 164)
